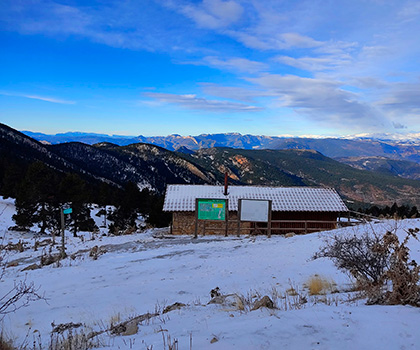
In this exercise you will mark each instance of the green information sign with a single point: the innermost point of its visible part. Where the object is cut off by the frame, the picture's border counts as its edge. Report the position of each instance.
(67, 211)
(211, 209)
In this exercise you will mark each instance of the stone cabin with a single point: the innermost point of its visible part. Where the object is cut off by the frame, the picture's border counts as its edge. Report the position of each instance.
(293, 209)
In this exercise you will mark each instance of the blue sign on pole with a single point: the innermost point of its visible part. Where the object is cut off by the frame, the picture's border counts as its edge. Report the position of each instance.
(67, 211)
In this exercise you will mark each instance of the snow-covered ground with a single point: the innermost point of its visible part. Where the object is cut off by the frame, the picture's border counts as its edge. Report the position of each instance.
(145, 272)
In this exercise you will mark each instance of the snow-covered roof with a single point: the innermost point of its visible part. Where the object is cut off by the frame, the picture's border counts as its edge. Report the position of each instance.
(182, 197)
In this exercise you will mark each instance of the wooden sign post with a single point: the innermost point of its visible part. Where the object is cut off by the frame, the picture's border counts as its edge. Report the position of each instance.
(63, 248)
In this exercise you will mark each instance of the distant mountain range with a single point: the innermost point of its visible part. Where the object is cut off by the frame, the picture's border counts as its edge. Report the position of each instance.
(330, 147)
(402, 156)
(194, 141)
(151, 166)
(307, 168)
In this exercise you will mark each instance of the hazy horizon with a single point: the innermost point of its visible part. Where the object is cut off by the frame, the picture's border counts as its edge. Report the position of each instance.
(362, 135)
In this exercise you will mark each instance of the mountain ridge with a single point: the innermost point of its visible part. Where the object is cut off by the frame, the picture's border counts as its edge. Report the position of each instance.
(153, 167)
(335, 148)
(310, 168)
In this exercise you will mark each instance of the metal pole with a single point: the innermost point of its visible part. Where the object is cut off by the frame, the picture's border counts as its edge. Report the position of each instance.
(269, 219)
(239, 216)
(63, 249)
(196, 218)
(226, 217)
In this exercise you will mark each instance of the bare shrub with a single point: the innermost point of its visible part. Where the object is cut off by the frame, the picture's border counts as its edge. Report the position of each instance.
(380, 263)
(18, 296)
(356, 255)
(403, 273)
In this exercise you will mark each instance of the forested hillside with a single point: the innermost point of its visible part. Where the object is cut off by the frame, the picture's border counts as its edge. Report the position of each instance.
(105, 169)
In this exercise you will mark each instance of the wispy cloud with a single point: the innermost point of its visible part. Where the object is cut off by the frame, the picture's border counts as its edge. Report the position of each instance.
(234, 64)
(410, 11)
(37, 97)
(45, 16)
(194, 102)
(123, 24)
(402, 104)
(315, 64)
(276, 41)
(321, 100)
(214, 14)
(245, 94)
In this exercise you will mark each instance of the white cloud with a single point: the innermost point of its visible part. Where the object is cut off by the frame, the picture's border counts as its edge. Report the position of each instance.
(49, 17)
(245, 94)
(37, 97)
(374, 52)
(194, 102)
(123, 24)
(410, 11)
(321, 100)
(314, 64)
(214, 14)
(49, 99)
(403, 100)
(371, 83)
(278, 41)
(235, 64)
(289, 40)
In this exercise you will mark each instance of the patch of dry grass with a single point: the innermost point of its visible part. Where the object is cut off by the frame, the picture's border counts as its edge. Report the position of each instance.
(319, 285)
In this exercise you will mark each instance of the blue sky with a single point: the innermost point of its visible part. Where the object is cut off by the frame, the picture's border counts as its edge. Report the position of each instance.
(157, 67)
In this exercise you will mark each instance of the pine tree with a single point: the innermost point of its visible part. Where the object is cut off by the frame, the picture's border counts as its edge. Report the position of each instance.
(12, 175)
(73, 191)
(157, 216)
(126, 213)
(36, 200)
(413, 212)
(394, 209)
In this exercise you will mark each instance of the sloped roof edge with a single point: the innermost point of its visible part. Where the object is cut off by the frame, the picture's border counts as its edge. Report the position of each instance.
(183, 197)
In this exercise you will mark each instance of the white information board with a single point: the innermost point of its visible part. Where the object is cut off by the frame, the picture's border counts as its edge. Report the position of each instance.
(254, 210)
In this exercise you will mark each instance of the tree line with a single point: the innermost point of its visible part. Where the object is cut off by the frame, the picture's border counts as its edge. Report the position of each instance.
(41, 192)
(399, 211)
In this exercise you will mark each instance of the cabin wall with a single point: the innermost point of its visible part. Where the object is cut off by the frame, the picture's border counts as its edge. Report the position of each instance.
(183, 223)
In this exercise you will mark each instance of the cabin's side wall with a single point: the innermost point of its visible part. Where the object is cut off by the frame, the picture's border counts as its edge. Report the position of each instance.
(183, 223)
